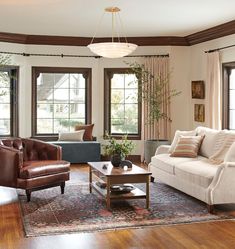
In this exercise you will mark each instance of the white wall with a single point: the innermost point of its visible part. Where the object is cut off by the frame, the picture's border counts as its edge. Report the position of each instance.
(186, 63)
(198, 66)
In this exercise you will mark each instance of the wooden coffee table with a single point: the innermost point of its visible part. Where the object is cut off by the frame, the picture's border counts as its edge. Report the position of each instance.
(115, 176)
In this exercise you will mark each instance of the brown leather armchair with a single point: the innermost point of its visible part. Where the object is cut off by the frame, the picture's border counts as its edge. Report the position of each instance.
(32, 165)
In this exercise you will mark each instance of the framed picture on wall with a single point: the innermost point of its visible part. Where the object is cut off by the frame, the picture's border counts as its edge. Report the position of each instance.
(199, 113)
(198, 89)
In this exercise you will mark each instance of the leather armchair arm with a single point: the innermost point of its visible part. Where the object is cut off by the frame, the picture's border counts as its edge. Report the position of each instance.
(11, 160)
(44, 151)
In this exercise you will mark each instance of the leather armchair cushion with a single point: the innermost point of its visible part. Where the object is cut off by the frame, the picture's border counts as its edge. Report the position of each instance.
(32, 169)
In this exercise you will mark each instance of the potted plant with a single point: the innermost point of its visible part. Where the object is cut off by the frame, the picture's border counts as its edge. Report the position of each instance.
(117, 149)
(154, 99)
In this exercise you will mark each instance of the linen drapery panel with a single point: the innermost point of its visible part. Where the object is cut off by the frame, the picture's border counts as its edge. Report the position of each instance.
(213, 93)
(159, 67)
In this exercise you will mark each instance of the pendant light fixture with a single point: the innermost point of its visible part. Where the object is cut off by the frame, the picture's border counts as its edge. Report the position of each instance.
(113, 49)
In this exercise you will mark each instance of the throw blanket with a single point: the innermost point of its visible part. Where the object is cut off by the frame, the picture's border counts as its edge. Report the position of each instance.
(218, 156)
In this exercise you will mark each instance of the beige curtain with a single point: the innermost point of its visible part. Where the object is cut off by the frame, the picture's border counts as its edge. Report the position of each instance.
(158, 66)
(213, 91)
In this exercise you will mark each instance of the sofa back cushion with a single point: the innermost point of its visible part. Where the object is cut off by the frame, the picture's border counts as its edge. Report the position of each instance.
(230, 155)
(210, 142)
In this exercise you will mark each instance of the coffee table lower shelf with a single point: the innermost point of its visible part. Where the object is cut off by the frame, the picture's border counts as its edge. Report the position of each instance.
(134, 194)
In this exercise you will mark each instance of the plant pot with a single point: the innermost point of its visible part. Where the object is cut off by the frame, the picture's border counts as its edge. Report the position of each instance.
(116, 160)
(150, 147)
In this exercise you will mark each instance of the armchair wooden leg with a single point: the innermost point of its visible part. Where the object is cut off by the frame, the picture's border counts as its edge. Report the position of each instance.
(62, 185)
(210, 208)
(28, 193)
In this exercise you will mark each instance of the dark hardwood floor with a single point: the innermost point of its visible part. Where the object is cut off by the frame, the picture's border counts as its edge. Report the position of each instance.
(211, 235)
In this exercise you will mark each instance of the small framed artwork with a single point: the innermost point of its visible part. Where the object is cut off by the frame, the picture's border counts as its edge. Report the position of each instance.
(198, 89)
(199, 113)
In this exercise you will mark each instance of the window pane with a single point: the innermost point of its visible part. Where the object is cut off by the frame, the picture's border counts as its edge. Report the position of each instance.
(5, 95)
(131, 96)
(5, 111)
(131, 81)
(232, 79)
(77, 111)
(118, 81)
(45, 111)
(131, 111)
(117, 96)
(4, 79)
(232, 119)
(61, 95)
(45, 126)
(77, 95)
(61, 111)
(77, 81)
(5, 127)
(232, 99)
(117, 111)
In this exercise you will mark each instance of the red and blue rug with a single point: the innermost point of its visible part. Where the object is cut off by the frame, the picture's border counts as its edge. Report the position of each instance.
(77, 210)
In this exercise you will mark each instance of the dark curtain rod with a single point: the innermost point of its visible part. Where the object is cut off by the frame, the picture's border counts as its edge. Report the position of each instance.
(218, 49)
(77, 56)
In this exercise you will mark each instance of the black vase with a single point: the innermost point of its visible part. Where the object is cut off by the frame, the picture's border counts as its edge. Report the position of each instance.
(116, 160)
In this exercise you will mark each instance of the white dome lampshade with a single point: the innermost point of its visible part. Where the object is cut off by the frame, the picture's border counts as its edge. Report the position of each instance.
(113, 49)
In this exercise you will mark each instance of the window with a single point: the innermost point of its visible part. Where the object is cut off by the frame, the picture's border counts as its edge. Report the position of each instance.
(122, 109)
(9, 101)
(229, 96)
(61, 99)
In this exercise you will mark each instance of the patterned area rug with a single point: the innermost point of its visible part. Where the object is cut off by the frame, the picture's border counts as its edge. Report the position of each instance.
(77, 210)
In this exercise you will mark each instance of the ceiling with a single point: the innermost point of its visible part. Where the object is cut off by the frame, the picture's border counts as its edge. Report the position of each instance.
(140, 18)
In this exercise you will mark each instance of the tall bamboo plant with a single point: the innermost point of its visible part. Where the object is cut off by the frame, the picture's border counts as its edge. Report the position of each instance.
(154, 90)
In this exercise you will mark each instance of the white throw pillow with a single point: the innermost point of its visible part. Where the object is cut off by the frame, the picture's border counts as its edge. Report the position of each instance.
(179, 133)
(230, 155)
(209, 142)
(71, 136)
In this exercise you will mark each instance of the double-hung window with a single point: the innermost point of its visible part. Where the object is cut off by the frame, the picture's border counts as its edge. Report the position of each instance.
(61, 99)
(122, 109)
(229, 96)
(9, 101)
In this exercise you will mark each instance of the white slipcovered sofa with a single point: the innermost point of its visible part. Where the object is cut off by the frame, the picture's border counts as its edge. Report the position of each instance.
(209, 177)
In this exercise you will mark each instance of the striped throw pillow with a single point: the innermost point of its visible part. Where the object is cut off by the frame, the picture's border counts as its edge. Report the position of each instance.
(187, 146)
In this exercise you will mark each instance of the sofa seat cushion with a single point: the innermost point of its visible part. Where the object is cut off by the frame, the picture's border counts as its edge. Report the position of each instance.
(32, 169)
(199, 172)
(167, 163)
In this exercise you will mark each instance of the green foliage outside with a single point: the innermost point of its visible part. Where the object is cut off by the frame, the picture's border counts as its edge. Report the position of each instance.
(4, 77)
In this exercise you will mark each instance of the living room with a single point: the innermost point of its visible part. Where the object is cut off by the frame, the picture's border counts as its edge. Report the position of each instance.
(185, 47)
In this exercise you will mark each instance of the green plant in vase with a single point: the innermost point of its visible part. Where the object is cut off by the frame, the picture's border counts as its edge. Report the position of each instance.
(117, 149)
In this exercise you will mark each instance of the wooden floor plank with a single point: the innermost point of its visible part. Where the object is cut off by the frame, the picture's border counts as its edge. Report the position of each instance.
(208, 235)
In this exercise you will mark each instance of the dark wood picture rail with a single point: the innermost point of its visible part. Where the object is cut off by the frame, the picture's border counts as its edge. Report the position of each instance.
(199, 37)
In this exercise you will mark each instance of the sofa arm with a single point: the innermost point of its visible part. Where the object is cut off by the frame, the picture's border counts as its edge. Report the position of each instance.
(221, 190)
(43, 150)
(162, 149)
(11, 160)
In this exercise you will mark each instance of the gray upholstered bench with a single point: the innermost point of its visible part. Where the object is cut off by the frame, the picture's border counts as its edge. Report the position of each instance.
(79, 152)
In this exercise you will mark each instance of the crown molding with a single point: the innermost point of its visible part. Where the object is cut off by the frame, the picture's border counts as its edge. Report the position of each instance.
(196, 38)
(212, 33)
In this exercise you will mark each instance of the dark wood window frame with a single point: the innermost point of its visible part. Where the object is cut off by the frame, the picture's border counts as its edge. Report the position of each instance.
(108, 74)
(226, 69)
(13, 72)
(87, 74)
